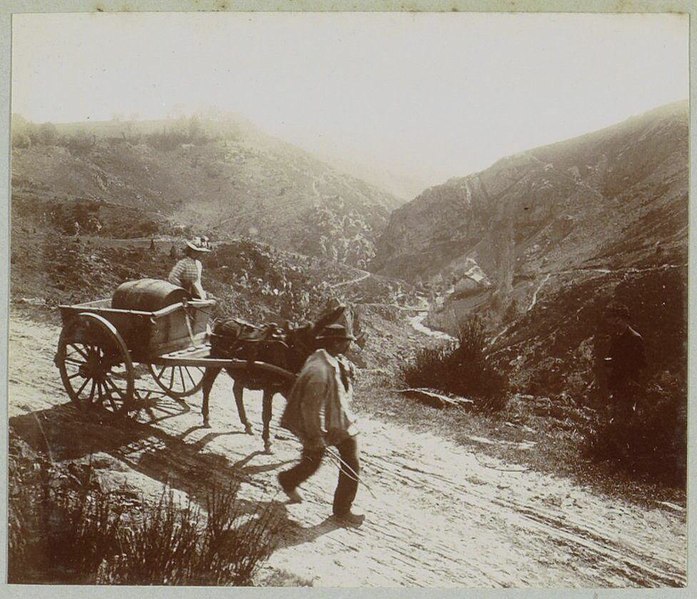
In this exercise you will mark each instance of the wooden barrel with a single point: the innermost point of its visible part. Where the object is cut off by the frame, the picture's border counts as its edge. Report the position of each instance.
(146, 295)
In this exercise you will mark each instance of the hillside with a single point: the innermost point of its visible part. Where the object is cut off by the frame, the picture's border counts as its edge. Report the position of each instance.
(531, 489)
(220, 175)
(564, 204)
(541, 241)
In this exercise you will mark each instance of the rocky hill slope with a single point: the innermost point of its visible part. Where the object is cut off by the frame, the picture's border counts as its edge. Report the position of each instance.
(541, 241)
(624, 187)
(221, 175)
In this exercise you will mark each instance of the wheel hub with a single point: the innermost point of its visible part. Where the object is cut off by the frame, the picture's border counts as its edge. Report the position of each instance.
(92, 367)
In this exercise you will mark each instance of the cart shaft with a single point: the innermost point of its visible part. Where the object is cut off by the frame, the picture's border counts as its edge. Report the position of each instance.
(228, 364)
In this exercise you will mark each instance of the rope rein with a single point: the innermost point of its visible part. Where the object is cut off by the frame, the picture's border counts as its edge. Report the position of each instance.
(352, 474)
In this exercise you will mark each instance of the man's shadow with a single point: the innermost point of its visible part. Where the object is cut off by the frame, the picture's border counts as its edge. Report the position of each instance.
(65, 433)
(294, 534)
(288, 532)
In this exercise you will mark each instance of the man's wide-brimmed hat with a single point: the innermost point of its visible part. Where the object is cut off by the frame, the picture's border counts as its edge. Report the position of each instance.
(335, 331)
(199, 244)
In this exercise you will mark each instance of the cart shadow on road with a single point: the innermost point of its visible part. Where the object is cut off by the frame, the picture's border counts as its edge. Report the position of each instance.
(64, 433)
(157, 406)
(207, 438)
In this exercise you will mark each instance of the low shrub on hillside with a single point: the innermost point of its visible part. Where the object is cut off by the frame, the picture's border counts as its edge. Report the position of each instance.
(79, 272)
(652, 440)
(64, 528)
(260, 283)
(428, 367)
(178, 545)
(461, 368)
(60, 523)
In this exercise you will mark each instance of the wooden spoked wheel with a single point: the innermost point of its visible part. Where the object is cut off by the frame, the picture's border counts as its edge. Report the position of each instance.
(178, 381)
(95, 365)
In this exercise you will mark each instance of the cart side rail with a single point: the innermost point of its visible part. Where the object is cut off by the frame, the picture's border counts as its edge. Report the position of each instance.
(150, 334)
(104, 306)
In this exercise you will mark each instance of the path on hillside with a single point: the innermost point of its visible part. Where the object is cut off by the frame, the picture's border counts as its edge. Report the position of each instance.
(602, 271)
(533, 301)
(364, 275)
(442, 516)
(417, 323)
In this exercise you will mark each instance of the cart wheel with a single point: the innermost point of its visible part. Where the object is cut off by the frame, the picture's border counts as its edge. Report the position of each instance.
(95, 365)
(178, 381)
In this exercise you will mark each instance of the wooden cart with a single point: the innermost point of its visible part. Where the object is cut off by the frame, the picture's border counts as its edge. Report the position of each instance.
(99, 346)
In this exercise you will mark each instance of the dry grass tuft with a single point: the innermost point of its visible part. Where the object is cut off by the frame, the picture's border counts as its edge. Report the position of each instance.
(63, 528)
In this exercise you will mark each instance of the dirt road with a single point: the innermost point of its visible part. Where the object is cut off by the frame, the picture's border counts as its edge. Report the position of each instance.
(442, 516)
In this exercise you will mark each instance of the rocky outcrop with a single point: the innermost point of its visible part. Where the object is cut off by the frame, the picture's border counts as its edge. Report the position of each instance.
(556, 206)
(559, 232)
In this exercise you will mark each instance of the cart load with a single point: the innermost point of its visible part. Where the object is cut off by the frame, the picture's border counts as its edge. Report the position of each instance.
(147, 295)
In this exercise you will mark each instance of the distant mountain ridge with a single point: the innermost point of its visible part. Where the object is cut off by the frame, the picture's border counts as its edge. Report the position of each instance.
(221, 174)
(539, 244)
(565, 204)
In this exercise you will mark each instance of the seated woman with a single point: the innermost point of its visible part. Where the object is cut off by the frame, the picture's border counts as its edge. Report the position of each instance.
(187, 272)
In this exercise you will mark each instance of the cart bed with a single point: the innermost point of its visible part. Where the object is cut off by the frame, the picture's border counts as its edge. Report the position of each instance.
(148, 335)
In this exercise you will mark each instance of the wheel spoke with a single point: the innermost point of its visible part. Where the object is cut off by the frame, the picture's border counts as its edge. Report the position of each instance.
(94, 386)
(188, 373)
(87, 380)
(75, 358)
(112, 402)
(114, 387)
(78, 350)
(72, 376)
(181, 376)
(74, 362)
(171, 379)
(106, 394)
(160, 374)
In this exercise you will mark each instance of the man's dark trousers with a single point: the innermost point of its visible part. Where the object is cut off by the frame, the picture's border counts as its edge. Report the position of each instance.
(348, 479)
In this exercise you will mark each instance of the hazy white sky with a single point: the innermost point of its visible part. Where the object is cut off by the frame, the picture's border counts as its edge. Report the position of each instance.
(434, 95)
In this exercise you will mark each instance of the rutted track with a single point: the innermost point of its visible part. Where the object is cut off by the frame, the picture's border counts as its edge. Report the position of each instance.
(441, 517)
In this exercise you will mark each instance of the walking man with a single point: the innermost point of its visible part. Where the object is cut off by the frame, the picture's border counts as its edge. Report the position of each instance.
(318, 413)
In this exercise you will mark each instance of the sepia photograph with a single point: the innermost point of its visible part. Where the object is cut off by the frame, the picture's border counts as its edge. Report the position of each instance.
(348, 299)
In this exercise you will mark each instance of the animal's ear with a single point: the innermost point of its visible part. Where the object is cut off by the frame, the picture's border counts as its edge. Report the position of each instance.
(328, 318)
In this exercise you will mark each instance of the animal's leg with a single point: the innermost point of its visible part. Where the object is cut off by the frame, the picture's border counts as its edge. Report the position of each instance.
(238, 391)
(266, 417)
(208, 379)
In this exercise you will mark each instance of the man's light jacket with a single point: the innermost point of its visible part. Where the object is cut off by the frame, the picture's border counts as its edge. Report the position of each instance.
(318, 409)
